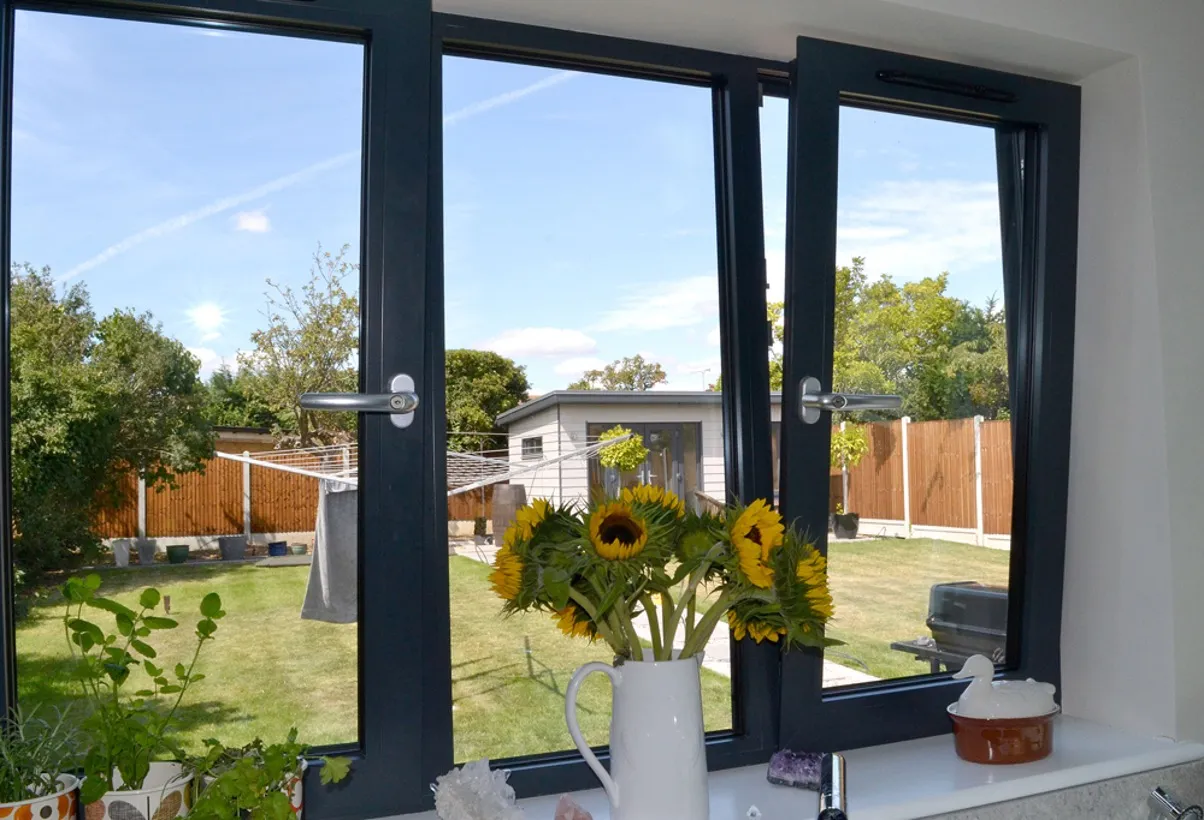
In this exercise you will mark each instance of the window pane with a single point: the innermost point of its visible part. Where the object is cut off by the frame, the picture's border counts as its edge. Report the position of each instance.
(580, 248)
(176, 191)
(921, 497)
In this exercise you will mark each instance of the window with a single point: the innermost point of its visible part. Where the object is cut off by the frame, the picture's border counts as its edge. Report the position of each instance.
(533, 448)
(589, 227)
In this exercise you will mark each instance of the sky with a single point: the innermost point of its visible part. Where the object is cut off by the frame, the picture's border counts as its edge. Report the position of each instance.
(175, 170)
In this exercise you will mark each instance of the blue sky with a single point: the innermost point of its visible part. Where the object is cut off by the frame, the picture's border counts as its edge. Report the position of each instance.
(174, 169)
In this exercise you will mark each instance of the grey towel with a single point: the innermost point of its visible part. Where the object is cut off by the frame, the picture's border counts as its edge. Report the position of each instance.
(332, 594)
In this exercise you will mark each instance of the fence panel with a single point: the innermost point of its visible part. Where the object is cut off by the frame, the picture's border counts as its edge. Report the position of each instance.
(941, 463)
(123, 521)
(876, 483)
(282, 502)
(208, 503)
(471, 505)
(997, 477)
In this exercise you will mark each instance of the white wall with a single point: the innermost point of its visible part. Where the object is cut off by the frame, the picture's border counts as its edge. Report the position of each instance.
(544, 482)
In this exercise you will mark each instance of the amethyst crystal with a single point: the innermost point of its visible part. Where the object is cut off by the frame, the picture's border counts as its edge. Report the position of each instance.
(801, 770)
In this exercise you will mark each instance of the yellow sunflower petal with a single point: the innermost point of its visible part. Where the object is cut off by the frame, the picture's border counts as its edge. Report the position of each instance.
(572, 623)
(506, 578)
(758, 531)
(616, 532)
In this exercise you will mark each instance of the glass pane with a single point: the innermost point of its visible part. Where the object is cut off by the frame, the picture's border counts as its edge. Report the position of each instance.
(580, 275)
(186, 212)
(921, 498)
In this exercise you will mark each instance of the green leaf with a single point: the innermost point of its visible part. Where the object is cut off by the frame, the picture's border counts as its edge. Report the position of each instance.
(152, 670)
(211, 606)
(117, 672)
(334, 769)
(206, 628)
(143, 649)
(143, 631)
(92, 789)
(112, 606)
(196, 678)
(181, 671)
(161, 680)
(170, 689)
(92, 581)
(125, 625)
(155, 622)
(88, 628)
(150, 598)
(144, 693)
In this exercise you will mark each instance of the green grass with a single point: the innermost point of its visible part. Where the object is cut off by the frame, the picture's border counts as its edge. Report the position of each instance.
(880, 588)
(270, 670)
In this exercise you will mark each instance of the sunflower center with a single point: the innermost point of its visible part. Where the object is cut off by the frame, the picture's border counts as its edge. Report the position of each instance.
(619, 528)
(754, 534)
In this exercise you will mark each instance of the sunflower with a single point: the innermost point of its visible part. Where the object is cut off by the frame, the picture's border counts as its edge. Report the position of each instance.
(616, 532)
(652, 494)
(574, 622)
(507, 576)
(758, 531)
(757, 630)
(532, 515)
(813, 572)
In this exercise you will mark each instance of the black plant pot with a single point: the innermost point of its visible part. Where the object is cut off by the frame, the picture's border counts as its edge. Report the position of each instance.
(845, 526)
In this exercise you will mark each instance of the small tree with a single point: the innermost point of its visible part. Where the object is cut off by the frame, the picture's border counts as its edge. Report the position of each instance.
(628, 373)
(849, 445)
(481, 385)
(311, 345)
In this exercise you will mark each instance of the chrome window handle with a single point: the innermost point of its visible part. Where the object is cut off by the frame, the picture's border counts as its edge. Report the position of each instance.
(400, 402)
(812, 401)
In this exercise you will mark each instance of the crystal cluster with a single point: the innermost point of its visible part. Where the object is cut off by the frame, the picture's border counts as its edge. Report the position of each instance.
(475, 792)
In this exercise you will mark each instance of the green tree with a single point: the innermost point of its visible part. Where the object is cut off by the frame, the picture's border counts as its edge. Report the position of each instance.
(232, 399)
(91, 402)
(311, 344)
(481, 385)
(628, 373)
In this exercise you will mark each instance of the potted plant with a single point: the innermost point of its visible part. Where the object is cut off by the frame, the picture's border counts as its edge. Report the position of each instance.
(232, 547)
(258, 781)
(849, 446)
(121, 551)
(132, 755)
(36, 757)
(599, 569)
(480, 531)
(177, 553)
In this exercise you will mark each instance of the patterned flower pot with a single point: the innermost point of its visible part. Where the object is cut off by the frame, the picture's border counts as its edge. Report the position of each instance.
(165, 794)
(58, 806)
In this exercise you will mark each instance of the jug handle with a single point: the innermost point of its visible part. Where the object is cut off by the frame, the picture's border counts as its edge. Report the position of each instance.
(570, 717)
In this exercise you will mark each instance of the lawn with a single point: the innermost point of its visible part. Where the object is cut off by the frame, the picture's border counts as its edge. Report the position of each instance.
(880, 588)
(270, 670)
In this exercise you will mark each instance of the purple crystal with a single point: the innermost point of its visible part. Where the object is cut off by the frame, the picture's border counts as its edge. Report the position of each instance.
(801, 770)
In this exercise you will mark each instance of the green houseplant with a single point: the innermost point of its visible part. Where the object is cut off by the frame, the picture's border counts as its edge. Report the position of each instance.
(36, 757)
(131, 745)
(258, 781)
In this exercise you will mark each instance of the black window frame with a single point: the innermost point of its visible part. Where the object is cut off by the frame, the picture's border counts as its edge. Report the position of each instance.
(1037, 130)
(532, 448)
(407, 741)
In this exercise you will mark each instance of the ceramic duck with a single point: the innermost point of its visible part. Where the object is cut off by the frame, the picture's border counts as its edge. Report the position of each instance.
(986, 697)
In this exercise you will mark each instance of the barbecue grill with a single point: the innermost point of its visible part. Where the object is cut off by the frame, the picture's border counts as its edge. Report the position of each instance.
(964, 618)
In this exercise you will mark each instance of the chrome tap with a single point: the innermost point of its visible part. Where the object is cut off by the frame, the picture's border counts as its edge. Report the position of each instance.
(1166, 806)
(832, 788)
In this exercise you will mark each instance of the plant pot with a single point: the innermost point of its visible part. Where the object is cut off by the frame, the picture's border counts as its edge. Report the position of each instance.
(177, 553)
(658, 766)
(831, 522)
(165, 794)
(845, 526)
(61, 805)
(277, 549)
(232, 547)
(146, 551)
(297, 549)
(121, 552)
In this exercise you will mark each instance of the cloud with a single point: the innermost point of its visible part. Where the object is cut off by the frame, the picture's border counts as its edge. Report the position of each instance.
(578, 365)
(208, 319)
(253, 221)
(920, 228)
(210, 360)
(680, 303)
(177, 223)
(714, 338)
(541, 341)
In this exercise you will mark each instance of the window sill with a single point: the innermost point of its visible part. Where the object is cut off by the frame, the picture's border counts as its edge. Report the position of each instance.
(920, 778)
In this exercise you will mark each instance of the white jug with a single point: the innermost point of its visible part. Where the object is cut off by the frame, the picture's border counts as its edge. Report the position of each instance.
(658, 763)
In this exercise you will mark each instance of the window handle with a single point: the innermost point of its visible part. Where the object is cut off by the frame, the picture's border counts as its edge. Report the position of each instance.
(812, 401)
(1166, 806)
(400, 402)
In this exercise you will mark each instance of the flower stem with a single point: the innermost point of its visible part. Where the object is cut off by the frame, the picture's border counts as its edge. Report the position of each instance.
(654, 626)
(706, 626)
(603, 630)
(624, 616)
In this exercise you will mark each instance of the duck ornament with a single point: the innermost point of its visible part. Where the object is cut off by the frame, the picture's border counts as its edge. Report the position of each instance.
(986, 697)
(1002, 721)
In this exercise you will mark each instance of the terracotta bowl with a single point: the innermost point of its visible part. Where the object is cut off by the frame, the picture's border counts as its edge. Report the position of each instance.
(1002, 740)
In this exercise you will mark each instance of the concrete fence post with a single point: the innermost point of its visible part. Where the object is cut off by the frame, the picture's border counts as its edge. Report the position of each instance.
(844, 477)
(903, 422)
(979, 536)
(142, 508)
(246, 496)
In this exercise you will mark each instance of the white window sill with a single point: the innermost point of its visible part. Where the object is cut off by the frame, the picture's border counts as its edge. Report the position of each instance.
(920, 778)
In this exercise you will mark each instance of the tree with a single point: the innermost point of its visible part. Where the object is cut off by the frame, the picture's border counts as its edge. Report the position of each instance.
(628, 373)
(233, 400)
(311, 344)
(481, 385)
(91, 402)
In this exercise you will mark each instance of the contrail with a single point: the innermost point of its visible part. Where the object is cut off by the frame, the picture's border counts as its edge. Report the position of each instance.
(182, 221)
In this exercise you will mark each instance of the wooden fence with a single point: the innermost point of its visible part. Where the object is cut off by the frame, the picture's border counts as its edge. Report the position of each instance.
(211, 503)
(939, 481)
